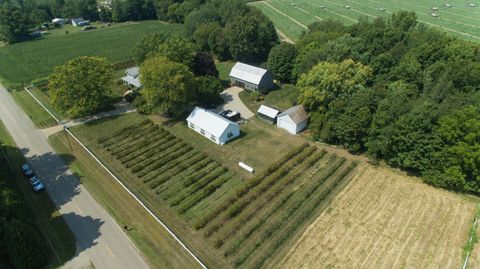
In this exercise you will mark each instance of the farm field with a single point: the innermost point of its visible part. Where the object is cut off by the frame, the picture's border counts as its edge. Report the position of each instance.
(21, 63)
(385, 220)
(458, 20)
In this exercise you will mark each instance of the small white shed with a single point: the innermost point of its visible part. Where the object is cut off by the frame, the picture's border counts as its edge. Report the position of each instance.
(132, 77)
(58, 21)
(293, 120)
(267, 113)
(213, 126)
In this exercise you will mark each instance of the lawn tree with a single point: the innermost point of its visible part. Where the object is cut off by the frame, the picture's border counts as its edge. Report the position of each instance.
(178, 49)
(86, 9)
(280, 61)
(204, 65)
(168, 87)
(147, 46)
(15, 22)
(82, 86)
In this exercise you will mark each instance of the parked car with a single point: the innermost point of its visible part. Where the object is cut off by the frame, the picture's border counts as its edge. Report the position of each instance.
(37, 184)
(27, 171)
(230, 115)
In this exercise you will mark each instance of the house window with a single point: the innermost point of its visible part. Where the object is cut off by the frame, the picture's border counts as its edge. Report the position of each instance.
(213, 138)
(229, 134)
(202, 131)
(192, 125)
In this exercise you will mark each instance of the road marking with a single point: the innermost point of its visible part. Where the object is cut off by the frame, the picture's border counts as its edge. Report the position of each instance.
(78, 208)
(109, 251)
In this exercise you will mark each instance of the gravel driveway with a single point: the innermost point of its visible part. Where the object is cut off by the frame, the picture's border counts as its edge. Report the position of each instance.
(233, 102)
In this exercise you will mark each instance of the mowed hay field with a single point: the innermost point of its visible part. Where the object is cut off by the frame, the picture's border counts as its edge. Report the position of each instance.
(23, 62)
(459, 20)
(385, 220)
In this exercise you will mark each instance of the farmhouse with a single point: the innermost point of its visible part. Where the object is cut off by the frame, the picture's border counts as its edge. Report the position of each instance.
(132, 77)
(267, 113)
(79, 22)
(293, 119)
(251, 77)
(212, 126)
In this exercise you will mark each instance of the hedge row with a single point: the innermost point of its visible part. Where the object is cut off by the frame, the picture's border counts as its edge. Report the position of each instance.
(122, 132)
(269, 197)
(241, 202)
(173, 162)
(140, 144)
(162, 161)
(156, 157)
(132, 140)
(166, 144)
(154, 147)
(299, 200)
(202, 222)
(304, 214)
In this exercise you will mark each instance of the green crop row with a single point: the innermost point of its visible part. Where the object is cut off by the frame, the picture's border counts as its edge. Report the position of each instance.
(201, 182)
(157, 157)
(204, 193)
(268, 198)
(154, 146)
(202, 222)
(140, 143)
(162, 161)
(167, 143)
(125, 131)
(126, 136)
(173, 161)
(132, 140)
(304, 214)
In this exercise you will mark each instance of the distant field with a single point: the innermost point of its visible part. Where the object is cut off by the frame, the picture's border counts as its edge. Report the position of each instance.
(23, 62)
(384, 220)
(459, 20)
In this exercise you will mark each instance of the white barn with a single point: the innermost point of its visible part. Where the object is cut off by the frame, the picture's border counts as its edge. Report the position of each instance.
(251, 77)
(58, 21)
(79, 22)
(132, 77)
(267, 113)
(213, 126)
(293, 120)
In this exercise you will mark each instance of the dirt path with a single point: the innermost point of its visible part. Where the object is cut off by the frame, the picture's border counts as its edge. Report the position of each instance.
(384, 220)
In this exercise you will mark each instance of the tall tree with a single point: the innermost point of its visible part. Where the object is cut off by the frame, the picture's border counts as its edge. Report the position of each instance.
(81, 87)
(281, 60)
(15, 22)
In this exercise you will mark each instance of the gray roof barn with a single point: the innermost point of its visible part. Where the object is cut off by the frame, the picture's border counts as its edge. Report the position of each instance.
(293, 119)
(251, 77)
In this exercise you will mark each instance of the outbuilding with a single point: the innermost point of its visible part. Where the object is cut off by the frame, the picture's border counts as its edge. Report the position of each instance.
(293, 120)
(80, 22)
(132, 77)
(267, 113)
(58, 21)
(251, 77)
(213, 126)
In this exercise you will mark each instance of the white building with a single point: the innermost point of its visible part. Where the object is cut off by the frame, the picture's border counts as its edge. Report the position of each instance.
(79, 22)
(293, 120)
(132, 77)
(58, 21)
(212, 126)
(251, 77)
(267, 113)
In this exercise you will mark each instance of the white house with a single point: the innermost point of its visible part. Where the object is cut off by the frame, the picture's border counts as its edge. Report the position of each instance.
(267, 113)
(293, 120)
(212, 126)
(79, 22)
(251, 77)
(132, 77)
(58, 21)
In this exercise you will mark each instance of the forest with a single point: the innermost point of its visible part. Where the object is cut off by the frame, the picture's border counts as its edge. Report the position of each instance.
(395, 90)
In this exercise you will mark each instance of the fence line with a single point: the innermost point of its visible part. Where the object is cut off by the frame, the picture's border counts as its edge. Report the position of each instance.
(138, 200)
(474, 230)
(40, 103)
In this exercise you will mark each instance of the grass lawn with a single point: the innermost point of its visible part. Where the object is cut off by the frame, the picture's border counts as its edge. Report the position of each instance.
(21, 63)
(156, 245)
(45, 214)
(282, 98)
(224, 71)
(34, 111)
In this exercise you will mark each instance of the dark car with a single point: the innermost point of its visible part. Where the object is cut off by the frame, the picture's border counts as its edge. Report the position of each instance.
(27, 171)
(37, 184)
(230, 115)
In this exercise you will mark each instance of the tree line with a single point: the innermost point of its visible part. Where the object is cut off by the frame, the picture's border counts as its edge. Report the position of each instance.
(20, 241)
(394, 89)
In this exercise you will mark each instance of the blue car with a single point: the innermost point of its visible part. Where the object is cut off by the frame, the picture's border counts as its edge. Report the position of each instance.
(27, 171)
(37, 184)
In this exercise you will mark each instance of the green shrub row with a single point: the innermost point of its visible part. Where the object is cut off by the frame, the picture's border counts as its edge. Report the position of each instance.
(156, 157)
(125, 131)
(154, 146)
(182, 176)
(167, 173)
(173, 162)
(167, 143)
(141, 143)
(304, 214)
(132, 140)
(126, 134)
(268, 198)
(204, 193)
(202, 222)
(193, 178)
(300, 199)
(199, 184)
(161, 162)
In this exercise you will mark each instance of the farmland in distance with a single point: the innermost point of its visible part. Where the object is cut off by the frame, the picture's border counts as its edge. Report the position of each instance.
(291, 17)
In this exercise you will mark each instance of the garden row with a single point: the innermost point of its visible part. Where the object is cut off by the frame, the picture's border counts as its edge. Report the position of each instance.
(173, 170)
(252, 223)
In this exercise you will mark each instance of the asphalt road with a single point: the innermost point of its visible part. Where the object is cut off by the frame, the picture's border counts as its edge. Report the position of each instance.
(101, 242)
